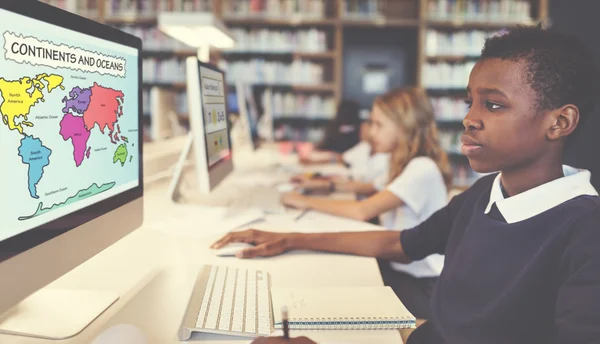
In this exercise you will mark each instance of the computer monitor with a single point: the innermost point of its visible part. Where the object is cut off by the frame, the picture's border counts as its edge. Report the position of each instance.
(209, 137)
(71, 152)
(248, 113)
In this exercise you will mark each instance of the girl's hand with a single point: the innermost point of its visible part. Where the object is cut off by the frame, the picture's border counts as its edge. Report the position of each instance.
(295, 200)
(267, 244)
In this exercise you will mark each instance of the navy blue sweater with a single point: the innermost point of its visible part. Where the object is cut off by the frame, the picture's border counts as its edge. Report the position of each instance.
(533, 281)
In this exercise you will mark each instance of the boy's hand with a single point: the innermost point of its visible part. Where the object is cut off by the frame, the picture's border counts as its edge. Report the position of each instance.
(281, 340)
(294, 199)
(267, 243)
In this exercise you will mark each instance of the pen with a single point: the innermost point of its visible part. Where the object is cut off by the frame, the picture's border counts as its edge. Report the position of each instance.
(302, 213)
(286, 325)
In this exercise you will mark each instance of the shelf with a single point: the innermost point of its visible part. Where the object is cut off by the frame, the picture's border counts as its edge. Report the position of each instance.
(292, 21)
(281, 54)
(182, 116)
(168, 53)
(380, 22)
(451, 58)
(465, 24)
(325, 87)
(301, 121)
(132, 20)
(178, 86)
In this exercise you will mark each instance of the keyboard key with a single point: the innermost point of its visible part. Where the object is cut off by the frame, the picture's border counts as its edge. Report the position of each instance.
(206, 297)
(240, 299)
(237, 301)
(251, 303)
(216, 300)
(227, 304)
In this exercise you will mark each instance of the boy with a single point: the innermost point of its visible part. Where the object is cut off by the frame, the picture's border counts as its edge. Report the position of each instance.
(522, 247)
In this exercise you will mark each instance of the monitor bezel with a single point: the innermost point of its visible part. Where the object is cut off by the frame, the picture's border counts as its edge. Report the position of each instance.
(25, 241)
(204, 136)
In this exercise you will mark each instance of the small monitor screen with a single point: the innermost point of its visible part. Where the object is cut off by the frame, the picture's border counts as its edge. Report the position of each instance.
(232, 103)
(215, 116)
(69, 129)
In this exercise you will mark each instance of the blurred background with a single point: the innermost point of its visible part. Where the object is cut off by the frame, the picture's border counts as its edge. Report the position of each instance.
(300, 58)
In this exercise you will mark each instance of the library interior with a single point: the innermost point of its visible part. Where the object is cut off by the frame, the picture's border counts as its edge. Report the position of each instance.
(299, 171)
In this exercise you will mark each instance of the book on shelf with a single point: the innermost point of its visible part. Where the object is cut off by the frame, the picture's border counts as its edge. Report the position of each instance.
(85, 8)
(361, 8)
(311, 9)
(289, 104)
(286, 132)
(150, 8)
(505, 11)
(444, 75)
(155, 40)
(449, 109)
(457, 43)
(163, 70)
(268, 40)
(260, 71)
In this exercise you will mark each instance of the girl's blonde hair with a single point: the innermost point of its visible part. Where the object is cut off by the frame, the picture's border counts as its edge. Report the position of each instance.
(411, 111)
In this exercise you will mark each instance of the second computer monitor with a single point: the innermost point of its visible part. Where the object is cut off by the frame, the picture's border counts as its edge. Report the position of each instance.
(207, 97)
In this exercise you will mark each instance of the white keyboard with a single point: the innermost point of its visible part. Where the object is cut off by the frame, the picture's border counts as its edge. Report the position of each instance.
(229, 301)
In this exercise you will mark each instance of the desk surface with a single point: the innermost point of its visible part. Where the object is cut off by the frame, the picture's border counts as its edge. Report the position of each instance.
(152, 270)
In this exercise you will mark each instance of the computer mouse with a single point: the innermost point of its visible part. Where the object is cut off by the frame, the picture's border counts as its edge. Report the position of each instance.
(121, 334)
(231, 249)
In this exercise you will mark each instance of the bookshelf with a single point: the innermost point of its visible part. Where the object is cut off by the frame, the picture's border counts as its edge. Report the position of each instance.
(306, 39)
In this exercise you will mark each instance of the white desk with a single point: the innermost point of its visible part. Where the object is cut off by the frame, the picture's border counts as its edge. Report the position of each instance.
(152, 272)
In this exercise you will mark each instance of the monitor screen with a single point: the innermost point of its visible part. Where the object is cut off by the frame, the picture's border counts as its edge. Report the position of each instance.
(69, 135)
(215, 116)
(232, 103)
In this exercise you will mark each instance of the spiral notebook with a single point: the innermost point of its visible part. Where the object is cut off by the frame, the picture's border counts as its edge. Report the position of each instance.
(341, 308)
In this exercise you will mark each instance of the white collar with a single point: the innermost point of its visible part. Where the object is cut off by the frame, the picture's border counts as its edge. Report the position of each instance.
(530, 203)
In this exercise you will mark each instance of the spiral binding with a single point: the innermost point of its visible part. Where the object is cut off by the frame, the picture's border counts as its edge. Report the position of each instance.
(369, 323)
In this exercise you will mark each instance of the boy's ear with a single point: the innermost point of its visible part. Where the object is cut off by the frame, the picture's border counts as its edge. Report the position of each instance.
(565, 120)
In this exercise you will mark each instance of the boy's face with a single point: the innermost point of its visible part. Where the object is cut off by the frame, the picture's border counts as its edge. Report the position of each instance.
(502, 129)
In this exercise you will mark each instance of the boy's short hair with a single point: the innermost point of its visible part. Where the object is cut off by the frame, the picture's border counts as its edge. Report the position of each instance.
(559, 67)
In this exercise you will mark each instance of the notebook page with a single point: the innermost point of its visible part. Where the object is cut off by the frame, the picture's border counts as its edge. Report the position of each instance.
(338, 303)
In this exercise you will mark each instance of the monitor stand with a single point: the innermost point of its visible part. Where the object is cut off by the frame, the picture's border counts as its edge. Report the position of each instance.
(173, 191)
(55, 313)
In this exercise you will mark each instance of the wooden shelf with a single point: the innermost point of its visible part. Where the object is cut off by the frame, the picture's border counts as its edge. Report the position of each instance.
(380, 22)
(326, 87)
(283, 54)
(301, 120)
(451, 58)
(138, 20)
(168, 53)
(266, 21)
(466, 24)
(178, 86)
(182, 116)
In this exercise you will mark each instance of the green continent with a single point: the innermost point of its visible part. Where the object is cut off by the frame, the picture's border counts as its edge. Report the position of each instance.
(121, 154)
(80, 195)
